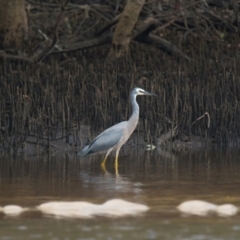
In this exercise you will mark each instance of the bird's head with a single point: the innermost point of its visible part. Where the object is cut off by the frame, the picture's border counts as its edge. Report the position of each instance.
(139, 91)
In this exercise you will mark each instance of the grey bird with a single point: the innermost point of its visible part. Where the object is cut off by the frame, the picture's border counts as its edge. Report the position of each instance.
(114, 137)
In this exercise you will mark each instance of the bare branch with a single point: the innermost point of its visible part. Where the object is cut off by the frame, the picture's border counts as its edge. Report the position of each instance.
(163, 44)
(55, 36)
(106, 39)
(208, 117)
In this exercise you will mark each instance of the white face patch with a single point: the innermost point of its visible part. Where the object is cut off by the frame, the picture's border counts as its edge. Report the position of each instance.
(140, 91)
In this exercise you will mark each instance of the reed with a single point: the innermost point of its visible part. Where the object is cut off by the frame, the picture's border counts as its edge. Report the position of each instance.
(54, 100)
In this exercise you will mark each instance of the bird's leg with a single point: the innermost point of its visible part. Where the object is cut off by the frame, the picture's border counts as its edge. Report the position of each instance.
(105, 159)
(103, 164)
(116, 162)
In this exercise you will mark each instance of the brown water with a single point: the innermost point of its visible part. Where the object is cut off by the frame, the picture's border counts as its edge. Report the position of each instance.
(159, 179)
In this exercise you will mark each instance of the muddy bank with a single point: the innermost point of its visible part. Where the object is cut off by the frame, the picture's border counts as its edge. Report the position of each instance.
(137, 143)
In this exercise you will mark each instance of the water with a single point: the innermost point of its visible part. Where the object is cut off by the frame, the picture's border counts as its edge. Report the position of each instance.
(161, 180)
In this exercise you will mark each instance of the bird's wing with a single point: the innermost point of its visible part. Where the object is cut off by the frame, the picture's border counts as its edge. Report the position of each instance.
(106, 140)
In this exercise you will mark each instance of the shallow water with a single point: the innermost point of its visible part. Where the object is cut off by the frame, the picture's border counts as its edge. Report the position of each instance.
(159, 179)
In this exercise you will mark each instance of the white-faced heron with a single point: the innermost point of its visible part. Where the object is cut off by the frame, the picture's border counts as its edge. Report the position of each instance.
(114, 137)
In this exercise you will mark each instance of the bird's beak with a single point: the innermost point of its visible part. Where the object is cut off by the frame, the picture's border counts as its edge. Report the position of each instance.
(150, 94)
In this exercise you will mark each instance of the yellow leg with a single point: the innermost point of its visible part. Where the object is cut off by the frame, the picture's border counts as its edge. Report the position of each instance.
(103, 162)
(103, 165)
(116, 163)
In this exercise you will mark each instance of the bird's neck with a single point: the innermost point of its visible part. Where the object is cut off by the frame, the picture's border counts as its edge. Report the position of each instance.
(135, 109)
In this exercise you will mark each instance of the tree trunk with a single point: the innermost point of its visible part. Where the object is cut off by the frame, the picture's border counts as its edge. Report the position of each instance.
(13, 22)
(123, 31)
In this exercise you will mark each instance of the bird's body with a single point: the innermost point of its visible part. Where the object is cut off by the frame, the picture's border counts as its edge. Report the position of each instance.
(114, 137)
